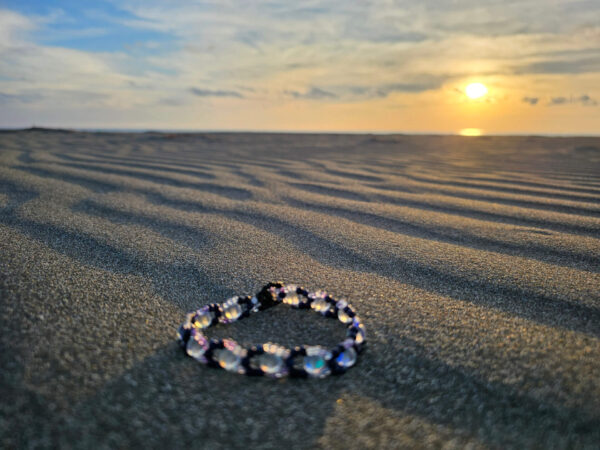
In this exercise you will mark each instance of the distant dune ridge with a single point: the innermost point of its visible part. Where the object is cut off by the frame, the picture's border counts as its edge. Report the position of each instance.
(474, 262)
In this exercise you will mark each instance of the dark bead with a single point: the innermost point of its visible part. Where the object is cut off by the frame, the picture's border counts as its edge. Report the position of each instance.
(298, 373)
(185, 334)
(251, 372)
(277, 284)
(298, 351)
(213, 344)
(330, 313)
(336, 351)
(211, 362)
(255, 350)
(349, 311)
(208, 355)
(214, 308)
(266, 299)
(337, 370)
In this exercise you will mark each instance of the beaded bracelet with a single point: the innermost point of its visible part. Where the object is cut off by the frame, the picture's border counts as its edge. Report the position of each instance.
(271, 359)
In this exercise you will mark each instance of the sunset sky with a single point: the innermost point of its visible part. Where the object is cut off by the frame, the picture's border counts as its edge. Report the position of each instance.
(304, 66)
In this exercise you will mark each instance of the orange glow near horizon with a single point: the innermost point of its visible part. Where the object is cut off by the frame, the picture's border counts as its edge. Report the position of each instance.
(471, 132)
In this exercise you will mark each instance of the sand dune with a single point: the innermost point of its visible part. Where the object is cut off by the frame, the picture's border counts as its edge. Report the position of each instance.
(475, 263)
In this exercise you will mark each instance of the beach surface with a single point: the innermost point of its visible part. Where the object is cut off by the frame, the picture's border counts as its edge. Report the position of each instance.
(474, 263)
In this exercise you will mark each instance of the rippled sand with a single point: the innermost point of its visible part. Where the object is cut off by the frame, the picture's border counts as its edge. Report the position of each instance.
(474, 263)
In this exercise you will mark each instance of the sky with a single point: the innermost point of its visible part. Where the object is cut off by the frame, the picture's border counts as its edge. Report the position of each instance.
(279, 65)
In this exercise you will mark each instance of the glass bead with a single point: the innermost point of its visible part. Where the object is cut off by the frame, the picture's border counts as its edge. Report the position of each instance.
(227, 359)
(195, 349)
(269, 363)
(315, 363)
(231, 310)
(360, 336)
(319, 304)
(344, 317)
(341, 304)
(203, 319)
(292, 299)
(347, 358)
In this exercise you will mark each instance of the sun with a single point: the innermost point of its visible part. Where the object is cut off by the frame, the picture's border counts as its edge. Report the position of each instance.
(475, 90)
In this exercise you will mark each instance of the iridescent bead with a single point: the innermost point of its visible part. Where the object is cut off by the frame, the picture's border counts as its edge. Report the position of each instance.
(315, 363)
(183, 334)
(347, 358)
(360, 336)
(292, 299)
(343, 315)
(195, 349)
(227, 359)
(269, 363)
(203, 319)
(319, 304)
(231, 309)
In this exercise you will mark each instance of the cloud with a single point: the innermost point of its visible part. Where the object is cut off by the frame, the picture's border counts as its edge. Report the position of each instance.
(6, 99)
(384, 90)
(354, 93)
(215, 93)
(562, 66)
(531, 100)
(408, 87)
(558, 100)
(585, 100)
(314, 93)
(13, 26)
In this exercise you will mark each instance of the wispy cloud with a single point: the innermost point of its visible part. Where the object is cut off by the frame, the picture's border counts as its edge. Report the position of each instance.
(215, 93)
(558, 101)
(585, 100)
(355, 93)
(531, 100)
(313, 93)
(7, 99)
(562, 66)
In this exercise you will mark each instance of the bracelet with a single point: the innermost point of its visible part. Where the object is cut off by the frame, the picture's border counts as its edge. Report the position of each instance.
(271, 359)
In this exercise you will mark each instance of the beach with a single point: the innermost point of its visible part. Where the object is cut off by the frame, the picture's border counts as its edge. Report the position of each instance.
(474, 263)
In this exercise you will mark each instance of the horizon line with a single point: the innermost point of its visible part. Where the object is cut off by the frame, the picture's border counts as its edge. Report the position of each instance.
(271, 131)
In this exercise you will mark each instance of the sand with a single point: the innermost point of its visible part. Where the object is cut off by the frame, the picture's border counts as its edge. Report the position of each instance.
(474, 263)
